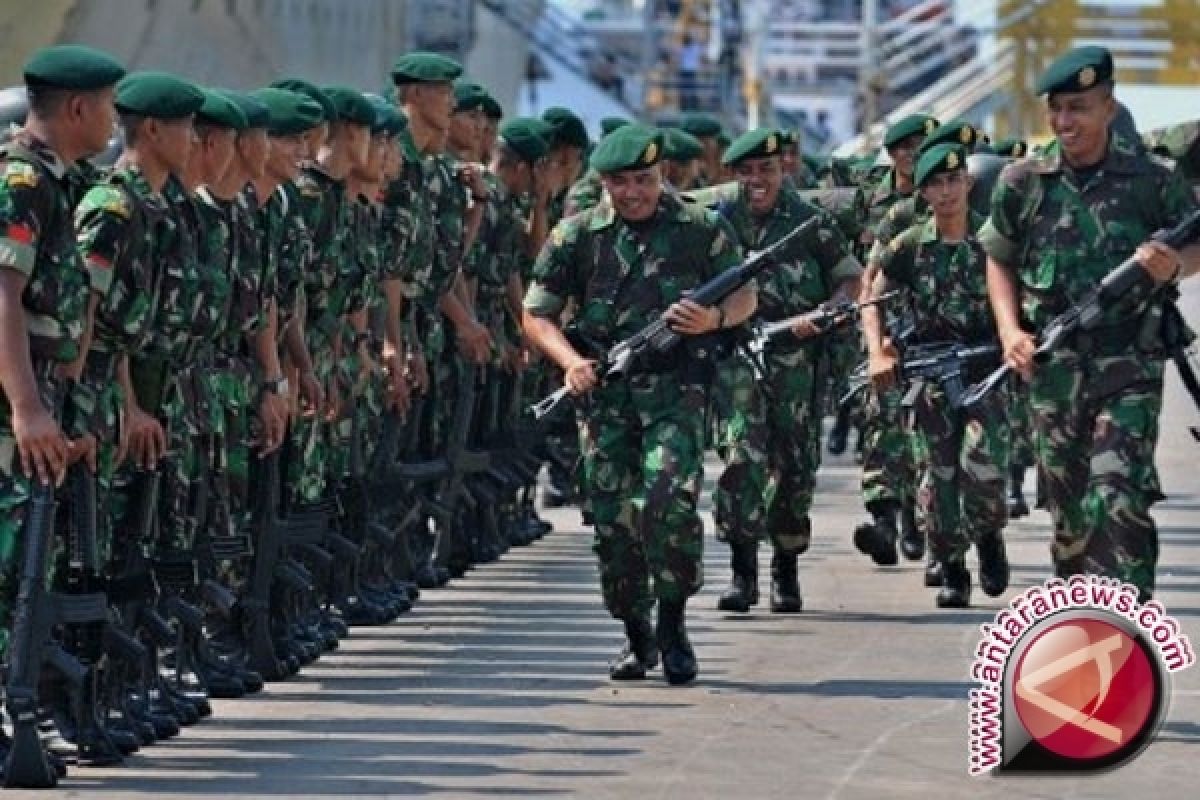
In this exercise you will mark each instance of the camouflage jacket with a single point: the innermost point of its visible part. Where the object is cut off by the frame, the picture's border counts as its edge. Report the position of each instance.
(322, 203)
(408, 222)
(806, 272)
(1061, 238)
(37, 239)
(233, 260)
(947, 283)
(287, 237)
(448, 201)
(881, 200)
(623, 278)
(180, 327)
(585, 194)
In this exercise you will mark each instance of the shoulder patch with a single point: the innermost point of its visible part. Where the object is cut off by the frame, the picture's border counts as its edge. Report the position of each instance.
(19, 174)
(107, 198)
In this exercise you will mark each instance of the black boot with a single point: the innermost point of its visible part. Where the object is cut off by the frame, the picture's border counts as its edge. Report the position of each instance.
(912, 541)
(743, 589)
(877, 539)
(836, 445)
(678, 658)
(993, 563)
(785, 584)
(933, 573)
(639, 654)
(1017, 507)
(956, 586)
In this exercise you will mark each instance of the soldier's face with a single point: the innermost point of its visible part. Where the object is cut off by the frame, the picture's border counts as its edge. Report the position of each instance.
(391, 159)
(313, 140)
(357, 141)
(435, 102)
(286, 152)
(466, 131)
(1080, 120)
(173, 141)
(761, 179)
(947, 193)
(904, 154)
(634, 192)
(216, 150)
(254, 148)
(95, 117)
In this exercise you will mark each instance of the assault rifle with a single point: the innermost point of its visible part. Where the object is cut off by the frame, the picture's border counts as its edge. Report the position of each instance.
(658, 337)
(1089, 314)
(946, 364)
(825, 317)
(37, 612)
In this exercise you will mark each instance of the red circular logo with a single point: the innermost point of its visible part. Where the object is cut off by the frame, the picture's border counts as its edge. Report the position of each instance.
(1084, 689)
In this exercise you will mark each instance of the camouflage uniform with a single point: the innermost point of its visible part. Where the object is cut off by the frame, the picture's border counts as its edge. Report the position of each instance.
(772, 444)
(116, 223)
(1095, 402)
(961, 455)
(37, 240)
(643, 442)
(585, 194)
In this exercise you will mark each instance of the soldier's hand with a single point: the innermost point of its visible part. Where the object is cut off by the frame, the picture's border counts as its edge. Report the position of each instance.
(692, 319)
(1160, 261)
(475, 341)
(40, 444)
(420, 372)
(312, 396)
(804, 328)
(82, 449)
(580, 376)
(147, 439)
(1019, 348)
(472, 178)
(333, 401)
(881, 366)
(398, 388)
(272, 414)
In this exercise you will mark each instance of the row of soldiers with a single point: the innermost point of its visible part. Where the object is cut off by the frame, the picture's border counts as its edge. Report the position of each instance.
(268, 361)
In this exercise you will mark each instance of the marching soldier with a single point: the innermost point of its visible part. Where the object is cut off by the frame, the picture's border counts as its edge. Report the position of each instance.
(1060, 222)
(624, 262)
(961, 456)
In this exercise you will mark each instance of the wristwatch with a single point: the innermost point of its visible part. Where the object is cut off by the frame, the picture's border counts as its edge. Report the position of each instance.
(277, 386)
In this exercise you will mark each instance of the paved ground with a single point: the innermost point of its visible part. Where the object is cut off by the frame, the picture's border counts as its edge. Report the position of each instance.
(496, 687)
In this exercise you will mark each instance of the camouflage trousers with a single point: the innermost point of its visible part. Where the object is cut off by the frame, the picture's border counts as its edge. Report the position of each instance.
(887, 477)
(643, 455)
(772, 450)
(15, 492)
(1021, 417)
(961, 461)
(1095, 431)
(845, 350)
(309, 441)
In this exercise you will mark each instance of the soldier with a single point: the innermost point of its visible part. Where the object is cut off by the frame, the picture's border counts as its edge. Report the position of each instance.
(961, 456)
(707, 129)
(1060, 222)
(624, 262)
(44, 291)
(887, 464)
(681, 159)
(771, 445)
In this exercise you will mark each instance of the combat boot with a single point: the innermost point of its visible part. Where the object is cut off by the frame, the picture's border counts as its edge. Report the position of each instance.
(743, 589)
(993, 563)
(912, 541)
(956, 586)
(678, 658)
(877, 539)
(840, 432)
(785, 584)
(1017, 507)
(933, 573)
(639, 654)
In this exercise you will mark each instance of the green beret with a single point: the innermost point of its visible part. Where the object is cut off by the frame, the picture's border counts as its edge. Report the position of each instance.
(492, 108)
(309, 90)
(388, 118)
(610, 124)
(631, 147)
(468, 95)
(350, 105)
(700, 124)
(956, 131)
(72, 66)
(421, 67)
(290, 112)
(158, 94)
(569, 129)
(221, 112)
(758, 143)
(525, 136)
(256, 114)
(1077, 71)
(945, 157)
(680, 145)
(911, 125)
